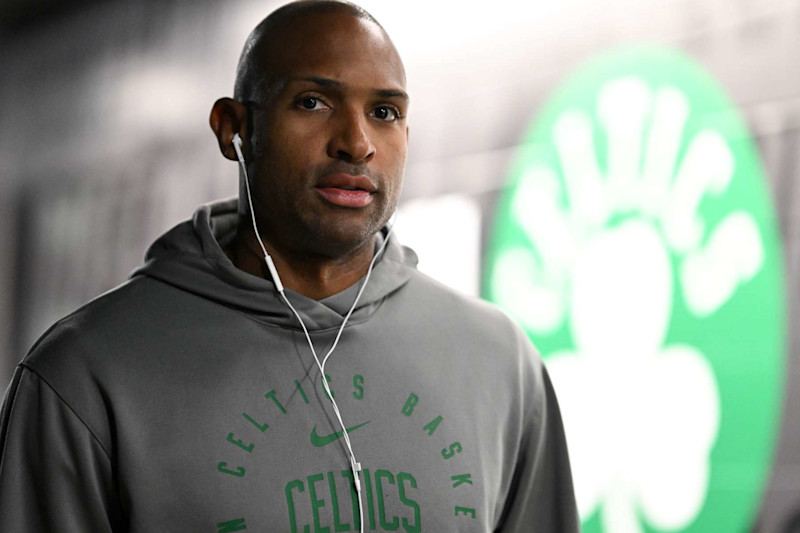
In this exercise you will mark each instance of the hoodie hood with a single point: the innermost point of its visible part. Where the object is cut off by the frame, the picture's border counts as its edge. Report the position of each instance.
(189, 257)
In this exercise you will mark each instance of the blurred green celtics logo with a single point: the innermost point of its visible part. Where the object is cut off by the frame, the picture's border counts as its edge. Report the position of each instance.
(636, 244)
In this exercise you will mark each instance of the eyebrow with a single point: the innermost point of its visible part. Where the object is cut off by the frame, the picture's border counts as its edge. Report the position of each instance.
(335, 84)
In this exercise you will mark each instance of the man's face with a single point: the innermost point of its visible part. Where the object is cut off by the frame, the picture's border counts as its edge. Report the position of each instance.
(330, 141)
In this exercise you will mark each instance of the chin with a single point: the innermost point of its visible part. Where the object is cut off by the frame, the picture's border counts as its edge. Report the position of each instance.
(336, 240)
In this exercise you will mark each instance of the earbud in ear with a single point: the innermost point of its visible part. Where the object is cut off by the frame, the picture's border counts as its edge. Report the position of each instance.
(237, 145)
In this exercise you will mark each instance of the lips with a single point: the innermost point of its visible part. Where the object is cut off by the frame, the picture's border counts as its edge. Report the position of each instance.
(347, 190)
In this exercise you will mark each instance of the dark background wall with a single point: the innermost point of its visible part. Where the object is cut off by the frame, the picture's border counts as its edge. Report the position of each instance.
(104, 141)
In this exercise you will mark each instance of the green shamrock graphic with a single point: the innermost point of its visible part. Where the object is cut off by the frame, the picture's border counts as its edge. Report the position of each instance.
(636, 243)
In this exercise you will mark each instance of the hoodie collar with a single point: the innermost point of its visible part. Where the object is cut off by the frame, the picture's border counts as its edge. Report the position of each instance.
(189, 257)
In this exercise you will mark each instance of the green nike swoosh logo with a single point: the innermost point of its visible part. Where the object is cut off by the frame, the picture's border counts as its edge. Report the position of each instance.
(323, 440)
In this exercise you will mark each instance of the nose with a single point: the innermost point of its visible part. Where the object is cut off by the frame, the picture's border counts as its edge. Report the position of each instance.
(350, 140)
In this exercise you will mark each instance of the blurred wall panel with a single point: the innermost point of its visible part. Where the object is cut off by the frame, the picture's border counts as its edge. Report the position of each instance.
(106, 145)
(9, 262)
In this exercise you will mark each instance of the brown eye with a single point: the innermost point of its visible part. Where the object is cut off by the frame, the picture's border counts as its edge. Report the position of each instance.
(386, 113)
(309, 102)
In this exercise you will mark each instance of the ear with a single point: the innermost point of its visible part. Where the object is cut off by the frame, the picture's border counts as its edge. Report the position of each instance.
(228, 117)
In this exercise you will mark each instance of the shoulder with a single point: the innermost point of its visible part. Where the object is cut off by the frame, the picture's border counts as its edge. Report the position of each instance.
(102, 324)
(79, 356)
(465, 319)
(431, 292)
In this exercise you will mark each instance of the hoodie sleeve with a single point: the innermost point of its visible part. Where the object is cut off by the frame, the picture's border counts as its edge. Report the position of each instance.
(54, 474)
(541, 498)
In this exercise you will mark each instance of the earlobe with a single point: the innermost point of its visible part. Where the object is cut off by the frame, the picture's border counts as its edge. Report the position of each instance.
(227, 118)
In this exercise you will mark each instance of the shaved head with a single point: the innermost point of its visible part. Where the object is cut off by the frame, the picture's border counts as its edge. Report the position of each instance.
(255, 80)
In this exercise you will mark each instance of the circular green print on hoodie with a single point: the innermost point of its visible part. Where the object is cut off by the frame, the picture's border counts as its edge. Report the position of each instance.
(636, 244)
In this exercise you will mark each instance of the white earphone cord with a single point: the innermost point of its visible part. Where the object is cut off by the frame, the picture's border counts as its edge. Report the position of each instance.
(355, 466)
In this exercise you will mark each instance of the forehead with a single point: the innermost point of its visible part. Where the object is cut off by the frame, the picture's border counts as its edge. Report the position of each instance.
(339, 46)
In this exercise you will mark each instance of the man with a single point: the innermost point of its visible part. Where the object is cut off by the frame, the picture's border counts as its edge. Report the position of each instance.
(189, 399)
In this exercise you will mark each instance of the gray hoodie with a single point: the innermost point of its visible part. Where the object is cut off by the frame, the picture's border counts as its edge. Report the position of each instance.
(187, 400)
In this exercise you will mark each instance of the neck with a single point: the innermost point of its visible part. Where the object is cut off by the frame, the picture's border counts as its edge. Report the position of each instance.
(312, 275)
